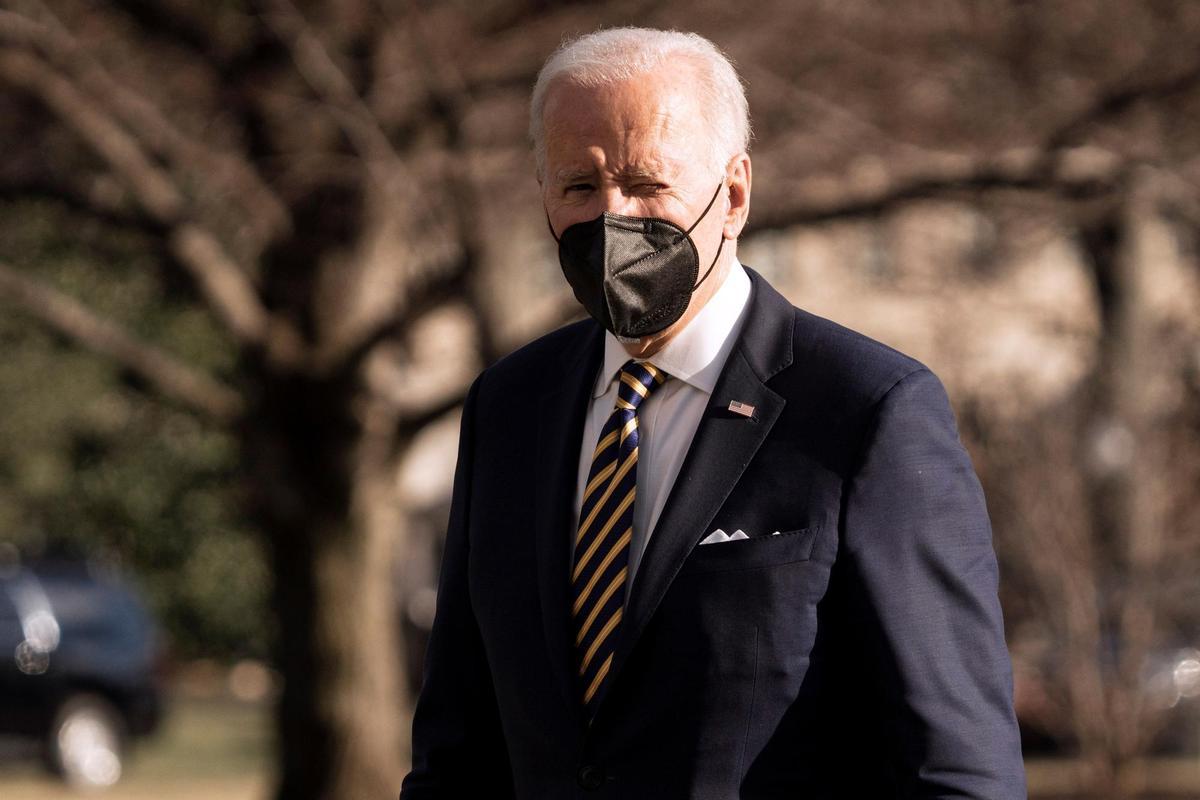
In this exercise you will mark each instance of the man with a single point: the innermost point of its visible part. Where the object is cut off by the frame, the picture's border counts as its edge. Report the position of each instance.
(705, 544)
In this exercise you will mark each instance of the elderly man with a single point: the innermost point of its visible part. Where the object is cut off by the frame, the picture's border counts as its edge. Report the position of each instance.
(703, 544)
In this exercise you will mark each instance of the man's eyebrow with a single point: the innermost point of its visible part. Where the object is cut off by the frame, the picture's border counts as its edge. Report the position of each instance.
(641, 172)
(653, 172)
(571, 175)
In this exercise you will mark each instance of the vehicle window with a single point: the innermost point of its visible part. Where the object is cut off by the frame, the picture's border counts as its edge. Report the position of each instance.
(96, 610)
(8, 611)
(10, 622)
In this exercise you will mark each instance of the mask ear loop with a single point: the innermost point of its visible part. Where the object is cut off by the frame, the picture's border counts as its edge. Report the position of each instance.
(551, 227)
(689, 231)
(710, 266)
(704, 213)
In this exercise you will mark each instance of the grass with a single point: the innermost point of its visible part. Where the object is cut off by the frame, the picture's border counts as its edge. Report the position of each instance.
(1168, 778)
(207, 749)
(217, 748)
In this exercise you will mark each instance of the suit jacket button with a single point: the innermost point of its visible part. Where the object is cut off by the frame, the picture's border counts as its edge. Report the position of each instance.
(590, 777)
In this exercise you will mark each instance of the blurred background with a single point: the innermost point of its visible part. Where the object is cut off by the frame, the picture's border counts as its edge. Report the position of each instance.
(253, 253)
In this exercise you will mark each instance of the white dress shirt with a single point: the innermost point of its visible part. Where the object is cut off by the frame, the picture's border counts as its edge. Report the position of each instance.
(667, 419)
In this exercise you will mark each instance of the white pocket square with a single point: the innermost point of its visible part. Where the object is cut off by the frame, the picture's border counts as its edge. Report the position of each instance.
(719, 535)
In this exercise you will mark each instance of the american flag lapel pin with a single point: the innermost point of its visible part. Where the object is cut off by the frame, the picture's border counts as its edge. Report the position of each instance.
(740, 408)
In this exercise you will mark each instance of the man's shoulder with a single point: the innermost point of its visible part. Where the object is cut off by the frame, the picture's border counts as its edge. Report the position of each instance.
(850, 369)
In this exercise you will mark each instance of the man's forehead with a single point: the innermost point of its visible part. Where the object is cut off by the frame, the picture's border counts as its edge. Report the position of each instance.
(630, 129)
(643, 101)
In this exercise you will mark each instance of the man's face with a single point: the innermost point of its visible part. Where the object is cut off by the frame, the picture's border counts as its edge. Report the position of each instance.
(636, 148)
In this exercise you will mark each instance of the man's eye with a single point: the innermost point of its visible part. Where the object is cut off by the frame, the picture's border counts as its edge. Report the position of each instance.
(648, 188)
(579, 187)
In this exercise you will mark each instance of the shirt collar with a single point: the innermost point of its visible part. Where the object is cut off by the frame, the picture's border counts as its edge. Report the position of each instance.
(697, 353)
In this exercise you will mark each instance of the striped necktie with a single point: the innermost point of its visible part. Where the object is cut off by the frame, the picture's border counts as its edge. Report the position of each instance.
(605, 529)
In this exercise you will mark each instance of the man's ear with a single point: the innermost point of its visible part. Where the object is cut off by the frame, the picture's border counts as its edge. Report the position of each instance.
(738, 176)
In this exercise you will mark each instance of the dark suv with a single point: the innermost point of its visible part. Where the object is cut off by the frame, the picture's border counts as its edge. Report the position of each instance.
(79, 659)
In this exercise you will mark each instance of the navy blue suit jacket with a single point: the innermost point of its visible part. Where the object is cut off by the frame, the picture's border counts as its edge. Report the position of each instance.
(858, 654)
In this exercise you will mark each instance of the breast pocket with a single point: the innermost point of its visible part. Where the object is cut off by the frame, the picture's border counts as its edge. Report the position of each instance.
(786, 547)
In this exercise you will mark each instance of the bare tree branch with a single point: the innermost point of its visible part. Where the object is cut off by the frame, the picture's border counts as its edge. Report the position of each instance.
(448, 88)
(417, 419)
(330, 83)
(421, 296)
(152, 187)
(1062, 166)
(1115, 101)
(355, 319)
(360, 124)
(222, 282)
(238, 179)
(228, 290)
(19, 29)
(796, 97)
(824, 199)
(161, 370)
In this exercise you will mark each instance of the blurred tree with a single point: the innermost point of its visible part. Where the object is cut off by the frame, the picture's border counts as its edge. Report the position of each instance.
(240, 144)
(93, 468)
(344, 186)
(302, 175)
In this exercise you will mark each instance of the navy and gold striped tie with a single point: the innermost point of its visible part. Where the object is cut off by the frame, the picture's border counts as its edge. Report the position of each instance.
(605, 529)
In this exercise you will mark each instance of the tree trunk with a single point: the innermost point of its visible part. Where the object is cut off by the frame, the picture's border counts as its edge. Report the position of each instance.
(1124, 462)
(315, 488)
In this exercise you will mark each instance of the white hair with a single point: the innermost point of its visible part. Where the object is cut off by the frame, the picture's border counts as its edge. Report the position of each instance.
(618, 54)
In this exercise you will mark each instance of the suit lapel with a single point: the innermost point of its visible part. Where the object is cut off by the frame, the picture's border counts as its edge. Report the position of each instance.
(721, 449)
(561, 415)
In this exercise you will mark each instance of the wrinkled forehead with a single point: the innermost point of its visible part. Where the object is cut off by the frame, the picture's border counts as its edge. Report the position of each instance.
(646, 124)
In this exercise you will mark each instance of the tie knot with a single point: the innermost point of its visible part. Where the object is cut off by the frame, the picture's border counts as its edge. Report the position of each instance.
(635, 383)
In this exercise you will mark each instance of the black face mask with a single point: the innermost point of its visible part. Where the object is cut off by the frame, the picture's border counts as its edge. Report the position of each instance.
(634, 275)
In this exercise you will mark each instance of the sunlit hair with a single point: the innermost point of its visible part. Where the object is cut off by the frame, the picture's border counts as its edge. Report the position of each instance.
(618, 54)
